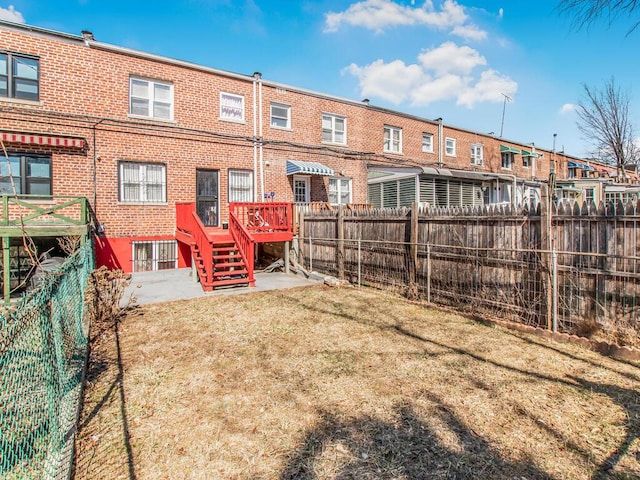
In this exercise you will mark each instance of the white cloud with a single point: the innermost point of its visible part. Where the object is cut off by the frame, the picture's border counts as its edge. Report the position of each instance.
(443, 73)
(567, 108)
(470, 32)
(490, 88)
(449, 58)
(389, 81)
(501, 13)
(11, 14)
(378, 15)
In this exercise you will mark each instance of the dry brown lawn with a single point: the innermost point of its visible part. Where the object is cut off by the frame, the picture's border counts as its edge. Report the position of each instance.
(346, 383)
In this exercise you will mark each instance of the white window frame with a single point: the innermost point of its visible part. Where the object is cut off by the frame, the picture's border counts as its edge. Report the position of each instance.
(450, 147)
(235, 190)
(391, 144)
(231, 107)
(332, 129)
(336, 188)
(150, 98)
(507, 156)
(287, 119)
(477, 154)
(143, 191)
(427, 142)
(154, 260)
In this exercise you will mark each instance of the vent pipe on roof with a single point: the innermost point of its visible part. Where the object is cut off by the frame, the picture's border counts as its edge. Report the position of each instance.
(87, 35)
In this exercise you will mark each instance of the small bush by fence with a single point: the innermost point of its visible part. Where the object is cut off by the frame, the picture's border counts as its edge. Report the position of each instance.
(43, 350)
(570, 270)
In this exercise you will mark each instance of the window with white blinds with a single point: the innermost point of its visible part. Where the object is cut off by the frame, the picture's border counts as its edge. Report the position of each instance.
(240, 186)
(143, 182)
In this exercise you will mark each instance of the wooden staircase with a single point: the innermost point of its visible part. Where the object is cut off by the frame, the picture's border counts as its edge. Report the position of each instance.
(228, 266)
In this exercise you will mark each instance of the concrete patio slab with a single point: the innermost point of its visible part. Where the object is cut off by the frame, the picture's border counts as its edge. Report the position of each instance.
(178, 284)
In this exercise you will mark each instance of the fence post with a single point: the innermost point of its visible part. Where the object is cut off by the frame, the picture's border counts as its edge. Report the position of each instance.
(310, 255)
(359, 261)
(301, 236)
(413, 249)
(554, 288)
(545, 246)
(340, 252)
(428, 273)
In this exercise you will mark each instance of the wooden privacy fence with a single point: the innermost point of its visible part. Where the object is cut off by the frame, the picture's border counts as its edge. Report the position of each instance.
(560, 267)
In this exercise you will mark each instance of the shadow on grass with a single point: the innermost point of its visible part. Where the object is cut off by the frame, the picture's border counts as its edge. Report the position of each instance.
(100, 445)
(626, 398)
(367, 448)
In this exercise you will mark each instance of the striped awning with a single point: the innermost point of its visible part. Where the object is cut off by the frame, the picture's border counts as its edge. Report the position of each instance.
(42, 139)
(308, 168)
(571, 164)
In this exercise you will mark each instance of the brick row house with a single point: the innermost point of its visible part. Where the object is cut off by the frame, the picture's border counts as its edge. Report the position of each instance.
(149, 141)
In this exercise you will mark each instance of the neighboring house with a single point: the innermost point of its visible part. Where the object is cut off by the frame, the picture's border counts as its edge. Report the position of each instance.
(492, 172)
(140, 135)
(592, 181)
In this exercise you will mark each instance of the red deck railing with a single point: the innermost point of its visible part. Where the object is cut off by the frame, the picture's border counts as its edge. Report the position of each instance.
(246, 245)
(263, 217)
(188, 221)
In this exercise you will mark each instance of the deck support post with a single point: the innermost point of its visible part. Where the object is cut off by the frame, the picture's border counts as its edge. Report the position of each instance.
(287, 270)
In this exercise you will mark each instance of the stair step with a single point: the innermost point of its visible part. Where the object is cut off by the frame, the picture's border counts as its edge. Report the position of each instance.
(230, 273)
(221, 265)
(225, 248)
(231, 281)
(226, 257)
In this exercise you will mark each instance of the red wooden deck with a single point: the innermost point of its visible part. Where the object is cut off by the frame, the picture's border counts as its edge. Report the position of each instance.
(225, 257)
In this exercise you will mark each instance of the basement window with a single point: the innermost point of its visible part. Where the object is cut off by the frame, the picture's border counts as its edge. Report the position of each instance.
(155, 255)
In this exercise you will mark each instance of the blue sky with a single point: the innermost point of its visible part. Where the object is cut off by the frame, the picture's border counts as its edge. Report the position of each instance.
(454, 59)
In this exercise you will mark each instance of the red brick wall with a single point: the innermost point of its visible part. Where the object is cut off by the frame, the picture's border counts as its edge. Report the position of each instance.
(84, 92)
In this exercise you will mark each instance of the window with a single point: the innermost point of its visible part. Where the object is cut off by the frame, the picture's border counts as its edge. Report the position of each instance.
(525, 160)
(231, 107)
(334, 128)
(339, 191)
(427, 142)
(240, 186)
(150, 99)
(589, 195)
(156, 255)
(507, 160)
(19, 77)
(280, 115)
(393, 139)
(30, 174)
(476, 154)
(450, 147)
(143, 182)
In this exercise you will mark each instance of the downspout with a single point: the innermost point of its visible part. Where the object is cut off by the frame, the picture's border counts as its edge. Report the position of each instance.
(534, 158)
(440, 146)
(261, 132)
(256, 75)
(95, 170)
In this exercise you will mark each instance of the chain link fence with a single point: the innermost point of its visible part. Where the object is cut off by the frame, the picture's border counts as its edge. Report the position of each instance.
(43, 351)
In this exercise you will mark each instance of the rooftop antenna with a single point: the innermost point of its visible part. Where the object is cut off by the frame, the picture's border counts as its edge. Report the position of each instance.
(507, 98)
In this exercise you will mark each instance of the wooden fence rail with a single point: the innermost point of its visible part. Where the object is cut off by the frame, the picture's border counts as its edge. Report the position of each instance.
(560, 267)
